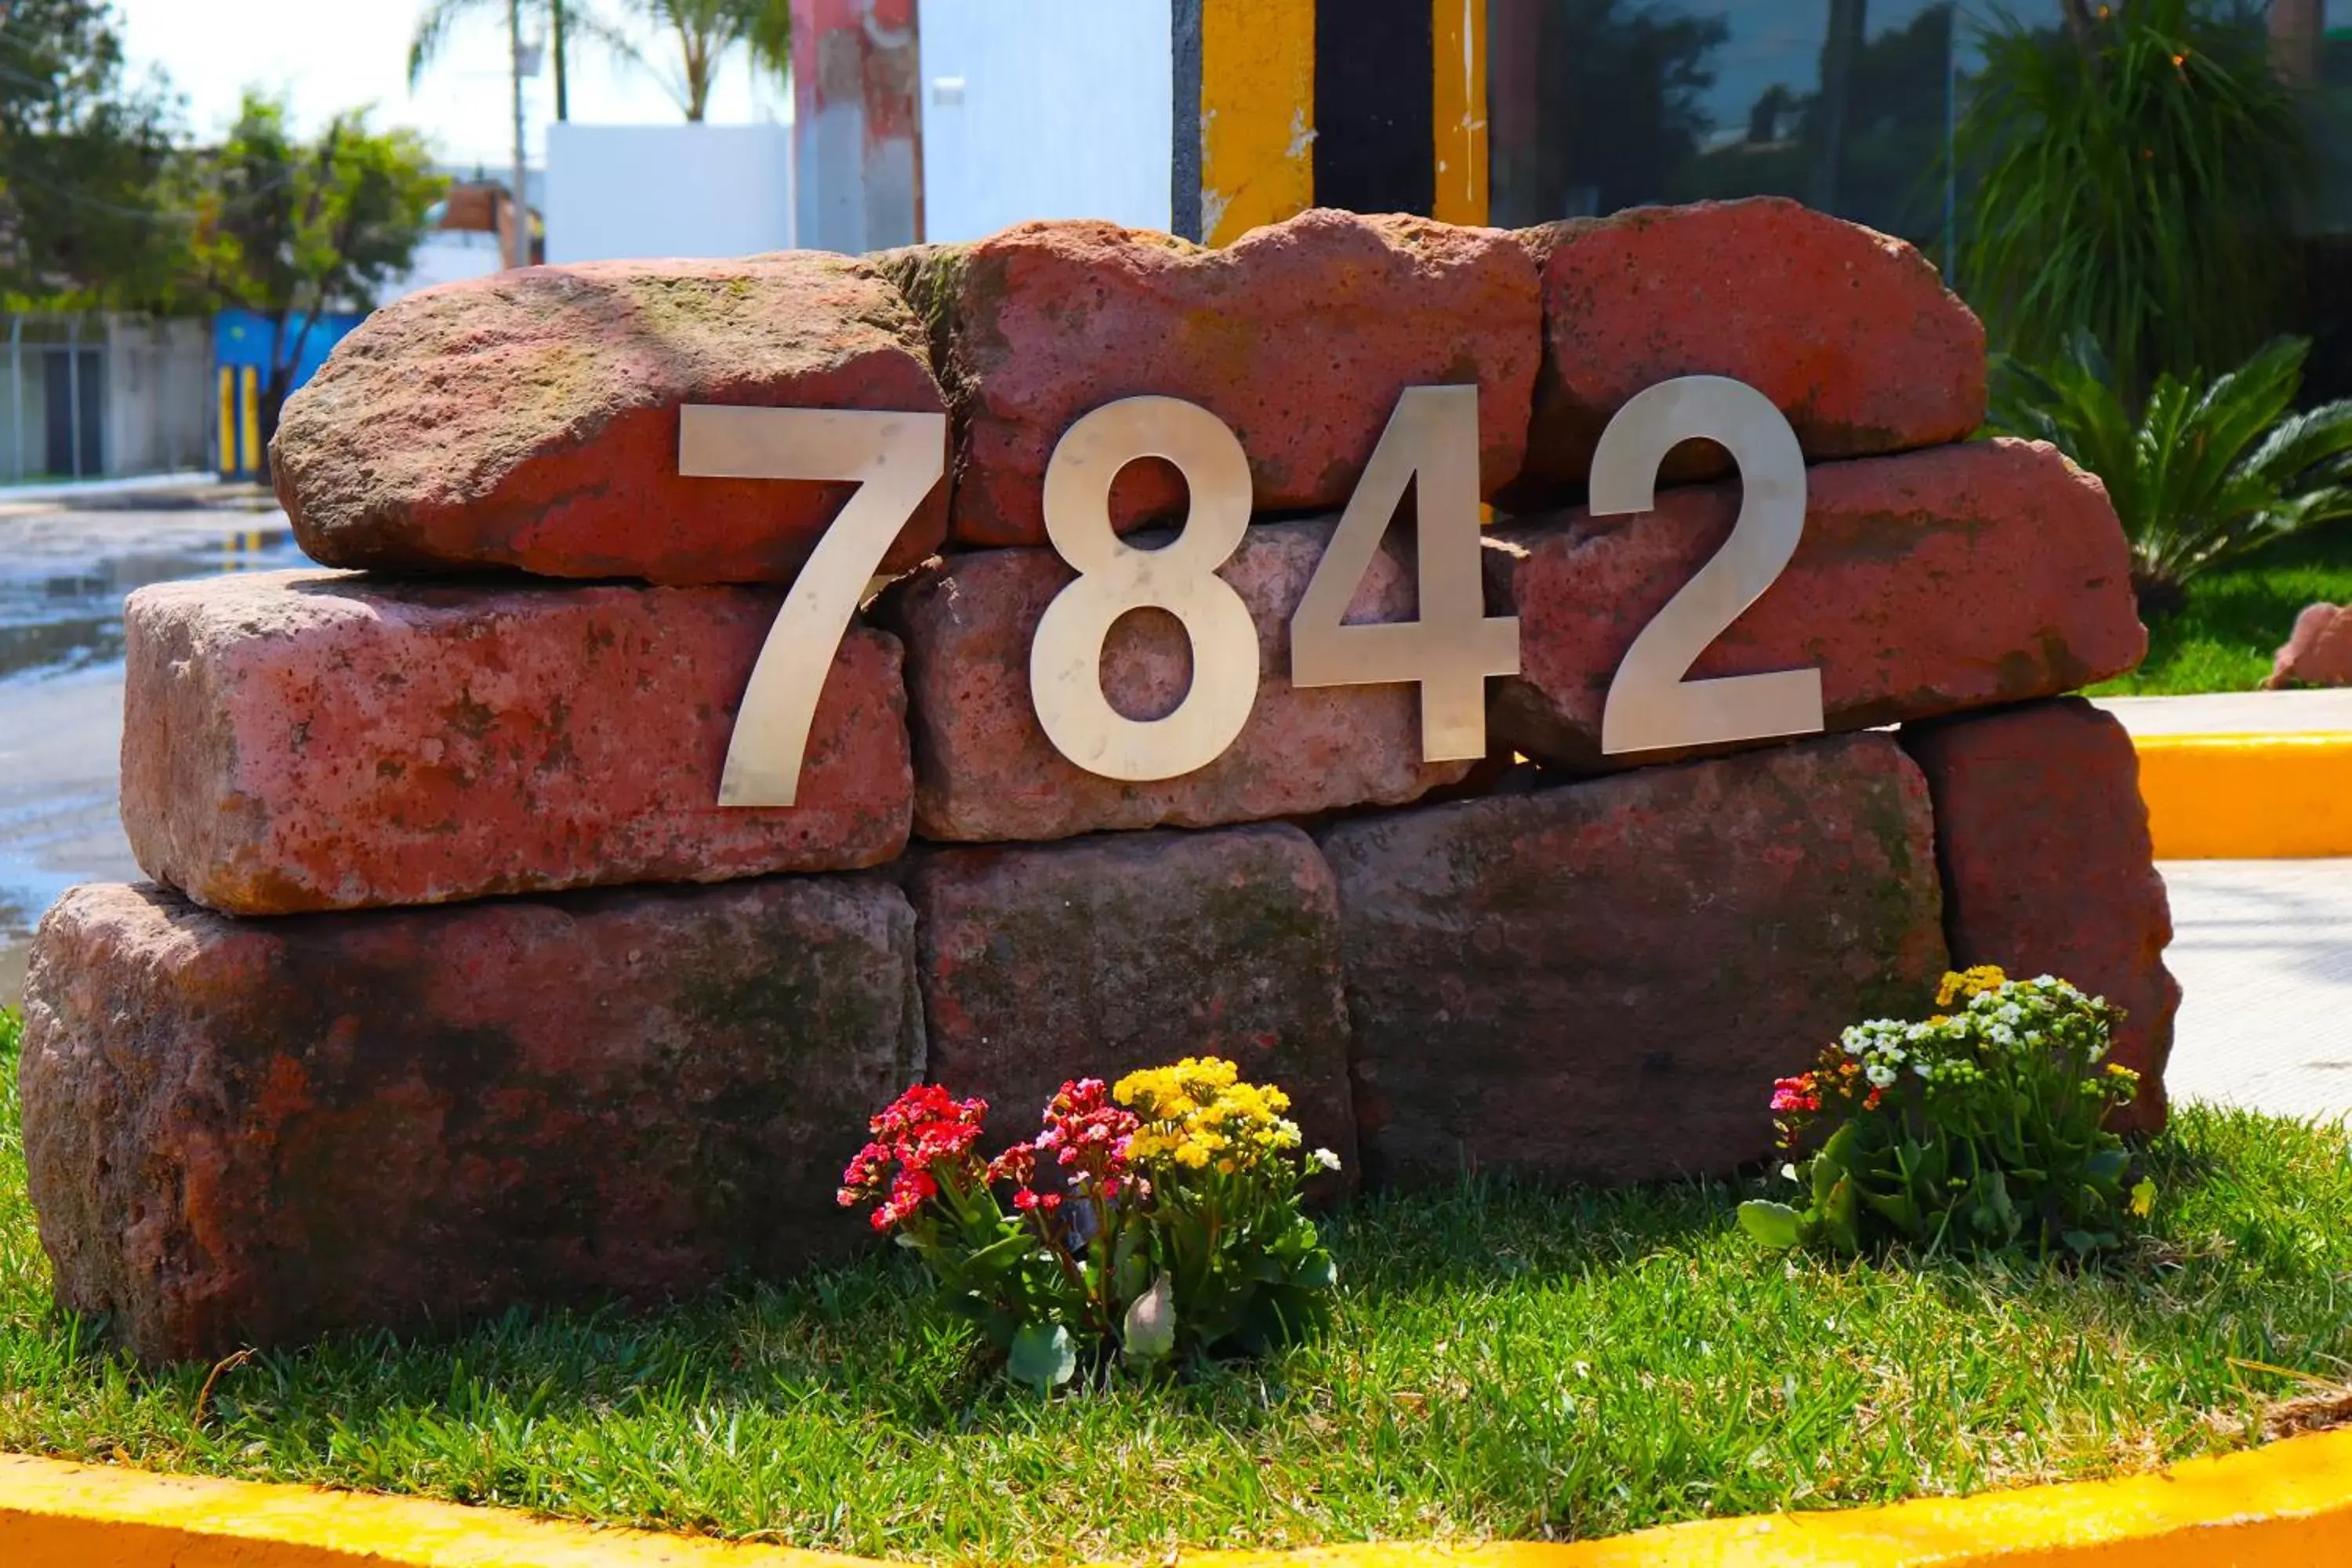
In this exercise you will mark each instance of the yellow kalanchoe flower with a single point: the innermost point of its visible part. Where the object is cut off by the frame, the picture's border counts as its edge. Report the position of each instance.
(1200, 1111)
(1969, 983)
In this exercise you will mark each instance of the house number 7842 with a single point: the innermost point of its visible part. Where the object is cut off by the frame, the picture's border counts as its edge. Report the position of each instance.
(1449, 650)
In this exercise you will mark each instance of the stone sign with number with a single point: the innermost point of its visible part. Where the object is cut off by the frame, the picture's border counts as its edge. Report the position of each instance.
(1520, 692)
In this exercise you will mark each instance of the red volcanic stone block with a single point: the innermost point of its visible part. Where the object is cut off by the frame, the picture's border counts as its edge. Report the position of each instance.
(2048, 867)
(2318, 652)
(1601, 981)
(1097, 958)
(316, 741)
(248, 1132)
(1300, 336)
(985, 771)
(531, 419)
(1958, 578)
(1851, 333)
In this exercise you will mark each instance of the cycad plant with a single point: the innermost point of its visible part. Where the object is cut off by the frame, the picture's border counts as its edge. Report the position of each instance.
(2202, 471)
(2135, 175)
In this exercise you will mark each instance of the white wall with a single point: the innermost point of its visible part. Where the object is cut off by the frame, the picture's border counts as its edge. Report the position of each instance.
(1065, 111)
(446, 256)
(616, 191)
(159, 395)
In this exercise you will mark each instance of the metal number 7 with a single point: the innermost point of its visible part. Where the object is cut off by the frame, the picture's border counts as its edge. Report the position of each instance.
(894, 459)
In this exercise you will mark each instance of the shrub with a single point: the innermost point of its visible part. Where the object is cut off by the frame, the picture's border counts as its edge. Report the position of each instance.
(2137, 177)
(1166, 1225)
(2203, 471)
(1978, 1131)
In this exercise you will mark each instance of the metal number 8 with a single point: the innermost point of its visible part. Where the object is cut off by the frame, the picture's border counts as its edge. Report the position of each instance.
(1114, 577)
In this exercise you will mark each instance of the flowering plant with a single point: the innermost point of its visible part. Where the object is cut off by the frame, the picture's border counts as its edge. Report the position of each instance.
(1160, 1220)
(1978, 1130)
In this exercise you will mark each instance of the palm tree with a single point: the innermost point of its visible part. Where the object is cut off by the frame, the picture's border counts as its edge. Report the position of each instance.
(562, 19)
(706, 32)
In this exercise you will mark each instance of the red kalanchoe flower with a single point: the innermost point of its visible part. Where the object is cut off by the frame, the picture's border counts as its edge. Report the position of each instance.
(1017, 1164)
(927, 1133)
(1795, 1094)
(1027, 1201)
(867, 1174)
(1089, 1136)
(910, 1191)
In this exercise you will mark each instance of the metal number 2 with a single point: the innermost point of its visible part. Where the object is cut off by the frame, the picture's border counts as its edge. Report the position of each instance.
(1650, 705)
(895, 459)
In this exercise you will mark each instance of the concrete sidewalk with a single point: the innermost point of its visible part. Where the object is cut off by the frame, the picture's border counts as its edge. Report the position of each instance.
(2263, 952)
(2235, 713)
(2262, 948)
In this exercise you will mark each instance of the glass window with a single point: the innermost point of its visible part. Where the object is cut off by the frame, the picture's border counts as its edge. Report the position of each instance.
(1846, 105)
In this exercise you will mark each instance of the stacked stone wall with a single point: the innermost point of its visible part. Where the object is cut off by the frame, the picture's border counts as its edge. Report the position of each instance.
(457, 988)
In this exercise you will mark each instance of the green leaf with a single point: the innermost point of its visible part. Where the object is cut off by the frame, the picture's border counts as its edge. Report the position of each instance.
(1043, 1356)
(1317, 1271)
(1774, 1225)
(1128, 1271)
(2107, 1165)
(1830, 1164)
(1897, 1207)
(1150, 1331)
(1839, 1216)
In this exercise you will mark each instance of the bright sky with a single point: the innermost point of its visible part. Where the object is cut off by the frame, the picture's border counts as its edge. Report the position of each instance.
(332, 55)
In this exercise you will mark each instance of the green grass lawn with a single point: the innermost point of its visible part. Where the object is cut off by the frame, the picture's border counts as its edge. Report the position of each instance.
(2226, 637)
(1508, 1361)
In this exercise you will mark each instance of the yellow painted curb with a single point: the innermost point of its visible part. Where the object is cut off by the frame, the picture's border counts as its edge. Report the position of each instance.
(2247, 797)
(2287, 1504)
(2290, 1502)
(59, 1515)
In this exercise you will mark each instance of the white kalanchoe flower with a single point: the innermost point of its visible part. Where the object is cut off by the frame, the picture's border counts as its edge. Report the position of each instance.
(1879, 1074)
(1921, 1069)
(1328, 1160)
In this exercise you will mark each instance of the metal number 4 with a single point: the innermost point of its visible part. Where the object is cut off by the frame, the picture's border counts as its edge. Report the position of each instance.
(1432, 444)
(895, 459)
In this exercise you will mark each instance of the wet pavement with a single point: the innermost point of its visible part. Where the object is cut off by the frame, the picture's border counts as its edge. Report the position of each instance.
(65, 566)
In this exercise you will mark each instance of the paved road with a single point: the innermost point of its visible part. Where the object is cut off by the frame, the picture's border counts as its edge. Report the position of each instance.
(66, 564)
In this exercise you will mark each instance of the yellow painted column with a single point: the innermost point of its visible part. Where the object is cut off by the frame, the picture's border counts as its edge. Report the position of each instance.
(228, 420)
(250, 447)
(1258, 108)
(1458, 79)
